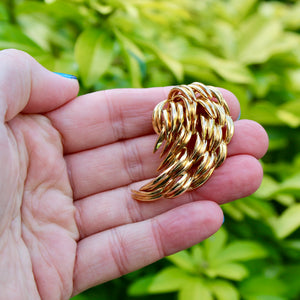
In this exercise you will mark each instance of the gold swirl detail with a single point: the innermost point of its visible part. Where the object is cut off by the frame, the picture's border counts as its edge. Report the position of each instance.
(195, 127)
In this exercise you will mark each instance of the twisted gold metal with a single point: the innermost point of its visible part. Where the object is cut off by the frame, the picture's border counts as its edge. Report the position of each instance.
(195, 126)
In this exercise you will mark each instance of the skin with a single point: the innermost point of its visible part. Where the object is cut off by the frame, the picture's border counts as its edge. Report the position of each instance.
(67, 219)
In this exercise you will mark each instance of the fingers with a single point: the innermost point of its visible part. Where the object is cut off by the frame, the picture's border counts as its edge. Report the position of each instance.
(249, 138)
(105, 117)
(121, 250)
(128, 161)
(238, 177)
(26, 86)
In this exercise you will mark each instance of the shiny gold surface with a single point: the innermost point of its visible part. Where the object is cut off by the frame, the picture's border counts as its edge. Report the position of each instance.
(195, 127)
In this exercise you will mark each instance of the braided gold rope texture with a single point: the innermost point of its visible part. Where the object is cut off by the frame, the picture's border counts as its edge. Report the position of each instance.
(195, 127)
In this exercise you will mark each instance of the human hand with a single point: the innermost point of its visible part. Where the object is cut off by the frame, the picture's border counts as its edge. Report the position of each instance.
(67, 219)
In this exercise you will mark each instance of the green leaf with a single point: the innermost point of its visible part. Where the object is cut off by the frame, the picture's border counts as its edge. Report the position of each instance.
(241, 251)
(225, 39)
(259, 287)
(256, 39)
(290, 113)
(197, 254)
(140, 287)
(228, 69)
(202, 74)
(134, 58)
(288, 118)
(247, 208)
(170, 279)
(288, 222)
(291, 185)
(291, 16)
(263, 208)
(290, 277)
(62, 9)
(292, 244)
(214, 244)
(293, 77)
(268, 187)
(285, 199)
(194, 290)
(94, 54)
(102, 9)
(200, 57)
(233, 11)
(286, 43)
(12, 37)
(183, 260)
(264, 113)
(173, 65)
(263, 83)
(232, 71)
(265, 297)
(224, 290)
(3, 13)
(231, 210)
(231, 271)
(242, 8)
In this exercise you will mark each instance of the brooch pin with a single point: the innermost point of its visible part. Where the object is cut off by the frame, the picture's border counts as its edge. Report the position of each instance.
(194, 127)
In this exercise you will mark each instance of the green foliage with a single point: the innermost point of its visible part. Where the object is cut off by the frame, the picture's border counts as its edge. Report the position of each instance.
(205, 271)
(94, 54)
(250, 47)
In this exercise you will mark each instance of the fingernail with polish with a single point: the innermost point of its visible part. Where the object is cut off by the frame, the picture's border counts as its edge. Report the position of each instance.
(69, 76)
(239, 116)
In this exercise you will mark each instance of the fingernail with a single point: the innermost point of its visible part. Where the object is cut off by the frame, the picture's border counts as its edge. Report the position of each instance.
(223, 219)
(239, 116)
(69, 76)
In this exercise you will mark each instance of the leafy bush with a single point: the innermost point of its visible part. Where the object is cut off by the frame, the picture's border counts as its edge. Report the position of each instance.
(250, 47)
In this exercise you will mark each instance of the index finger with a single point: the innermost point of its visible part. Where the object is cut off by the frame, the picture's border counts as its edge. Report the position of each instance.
(104, 117)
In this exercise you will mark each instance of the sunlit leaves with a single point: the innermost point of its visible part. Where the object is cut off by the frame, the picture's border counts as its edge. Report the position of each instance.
(288, 222)
(257, 37)
(94, 54)
(202, 271)
(141, 286)
(135, 59)
(195, 289)
(241, 251)
(233, 271)
(215, 244)
(12, 37)
(174, 66)
(224, 290)
(169, 280)
(183, 260)
(262, 287)
(232, 71)
(3, 13)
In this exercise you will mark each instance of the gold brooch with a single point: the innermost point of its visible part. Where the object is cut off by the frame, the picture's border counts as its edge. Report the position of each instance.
(195, 126)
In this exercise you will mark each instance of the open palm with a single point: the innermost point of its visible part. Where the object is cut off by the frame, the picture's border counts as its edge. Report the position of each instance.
(67, 219)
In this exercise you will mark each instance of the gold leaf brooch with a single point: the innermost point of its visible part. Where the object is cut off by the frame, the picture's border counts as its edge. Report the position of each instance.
(195, 126)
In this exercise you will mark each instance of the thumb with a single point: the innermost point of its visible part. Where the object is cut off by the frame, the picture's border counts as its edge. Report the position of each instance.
(26, 86)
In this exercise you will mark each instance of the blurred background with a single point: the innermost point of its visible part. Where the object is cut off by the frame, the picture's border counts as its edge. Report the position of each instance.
(251, 47)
